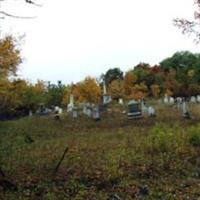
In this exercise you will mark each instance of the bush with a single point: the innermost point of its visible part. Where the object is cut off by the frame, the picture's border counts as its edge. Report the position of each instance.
(165, 138)
(194, 136)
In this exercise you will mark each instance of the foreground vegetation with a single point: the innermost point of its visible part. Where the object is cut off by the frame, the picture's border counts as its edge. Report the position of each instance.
(151, 158)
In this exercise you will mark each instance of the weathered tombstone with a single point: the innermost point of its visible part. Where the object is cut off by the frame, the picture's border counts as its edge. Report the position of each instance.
(178, 102)
(60, 111)
(74, 113)
(151, 111)
(185, 110)
(198, 98)
(84, 109)
(121, 101)
(143, 106)
(106, 98)
(193, 99)
(171, 100)
(96, 115)
(134, 110)
(70, 106)
(88, 110)
(30, 113)
(57, 112)
(166, 100)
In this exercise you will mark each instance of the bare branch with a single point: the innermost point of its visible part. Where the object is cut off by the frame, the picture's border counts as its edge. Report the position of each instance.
(15, 16)
(32, 2)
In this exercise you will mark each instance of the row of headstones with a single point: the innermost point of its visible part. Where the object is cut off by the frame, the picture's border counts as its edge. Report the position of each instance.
(182, 104)
(171, 100)
(87, 109)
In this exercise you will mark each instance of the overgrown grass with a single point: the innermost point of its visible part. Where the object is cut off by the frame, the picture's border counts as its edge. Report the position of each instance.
(143, 159)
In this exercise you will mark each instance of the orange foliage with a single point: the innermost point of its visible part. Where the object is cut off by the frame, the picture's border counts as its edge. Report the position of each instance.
(139, 91)
(87, 91)
(155, 90)
(116, 89)
(129, 80)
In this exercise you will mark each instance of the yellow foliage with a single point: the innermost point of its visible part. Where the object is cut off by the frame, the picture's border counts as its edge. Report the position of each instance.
(87, 91)
(66, 95)
(129, 80)
(40, 86)
(9, 57)
(139, 91)
(116, 89)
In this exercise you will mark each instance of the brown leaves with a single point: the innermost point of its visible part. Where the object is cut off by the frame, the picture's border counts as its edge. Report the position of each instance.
(10, 57)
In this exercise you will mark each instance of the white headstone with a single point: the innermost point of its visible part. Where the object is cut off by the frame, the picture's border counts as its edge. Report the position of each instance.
(56, 109)
(171, 100)
(60, 111)
(198, 98)
(185, 110)
(104, 88)
(143, 106)
(193, 99)
(121, 101)
(70, 106)
(166, 99)
(151, 111)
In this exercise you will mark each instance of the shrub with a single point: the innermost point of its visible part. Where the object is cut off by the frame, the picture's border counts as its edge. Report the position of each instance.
(194, 136)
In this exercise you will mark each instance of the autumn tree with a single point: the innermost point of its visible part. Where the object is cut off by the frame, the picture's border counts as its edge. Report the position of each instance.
(155, 90)
(139, 91)
(10, 57)
(129, 80)
(87, 91)
(116, 89)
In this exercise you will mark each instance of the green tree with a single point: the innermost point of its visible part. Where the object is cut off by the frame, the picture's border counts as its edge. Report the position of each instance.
(113, 74)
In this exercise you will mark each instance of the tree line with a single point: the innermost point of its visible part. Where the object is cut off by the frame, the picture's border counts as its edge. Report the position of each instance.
(178, 75)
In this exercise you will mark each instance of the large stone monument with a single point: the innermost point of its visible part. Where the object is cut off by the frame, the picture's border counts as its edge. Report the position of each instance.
(106, 98)
(70, 106)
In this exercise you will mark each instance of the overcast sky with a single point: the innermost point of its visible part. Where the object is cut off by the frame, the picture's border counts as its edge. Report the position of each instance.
(71, 39)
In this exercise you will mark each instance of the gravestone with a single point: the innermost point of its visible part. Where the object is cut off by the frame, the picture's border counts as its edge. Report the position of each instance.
(87, 110)
(70, 106)
(198, 98)
(60, 111)
(179, 102)
(134, 110)
(96, 115)
(185, 110)
(106, 98)
(171, 100)
(166, 100)
(56, 113)
(30, 113)
(144, 107)
(151, 111)
(121, 102)
(74, 112)
(193, 99)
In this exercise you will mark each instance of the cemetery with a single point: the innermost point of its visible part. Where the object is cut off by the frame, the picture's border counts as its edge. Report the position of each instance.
(120, 152)
(76, 126)
(100, 140)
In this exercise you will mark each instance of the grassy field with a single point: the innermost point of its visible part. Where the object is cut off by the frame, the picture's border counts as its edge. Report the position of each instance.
(115, 158)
